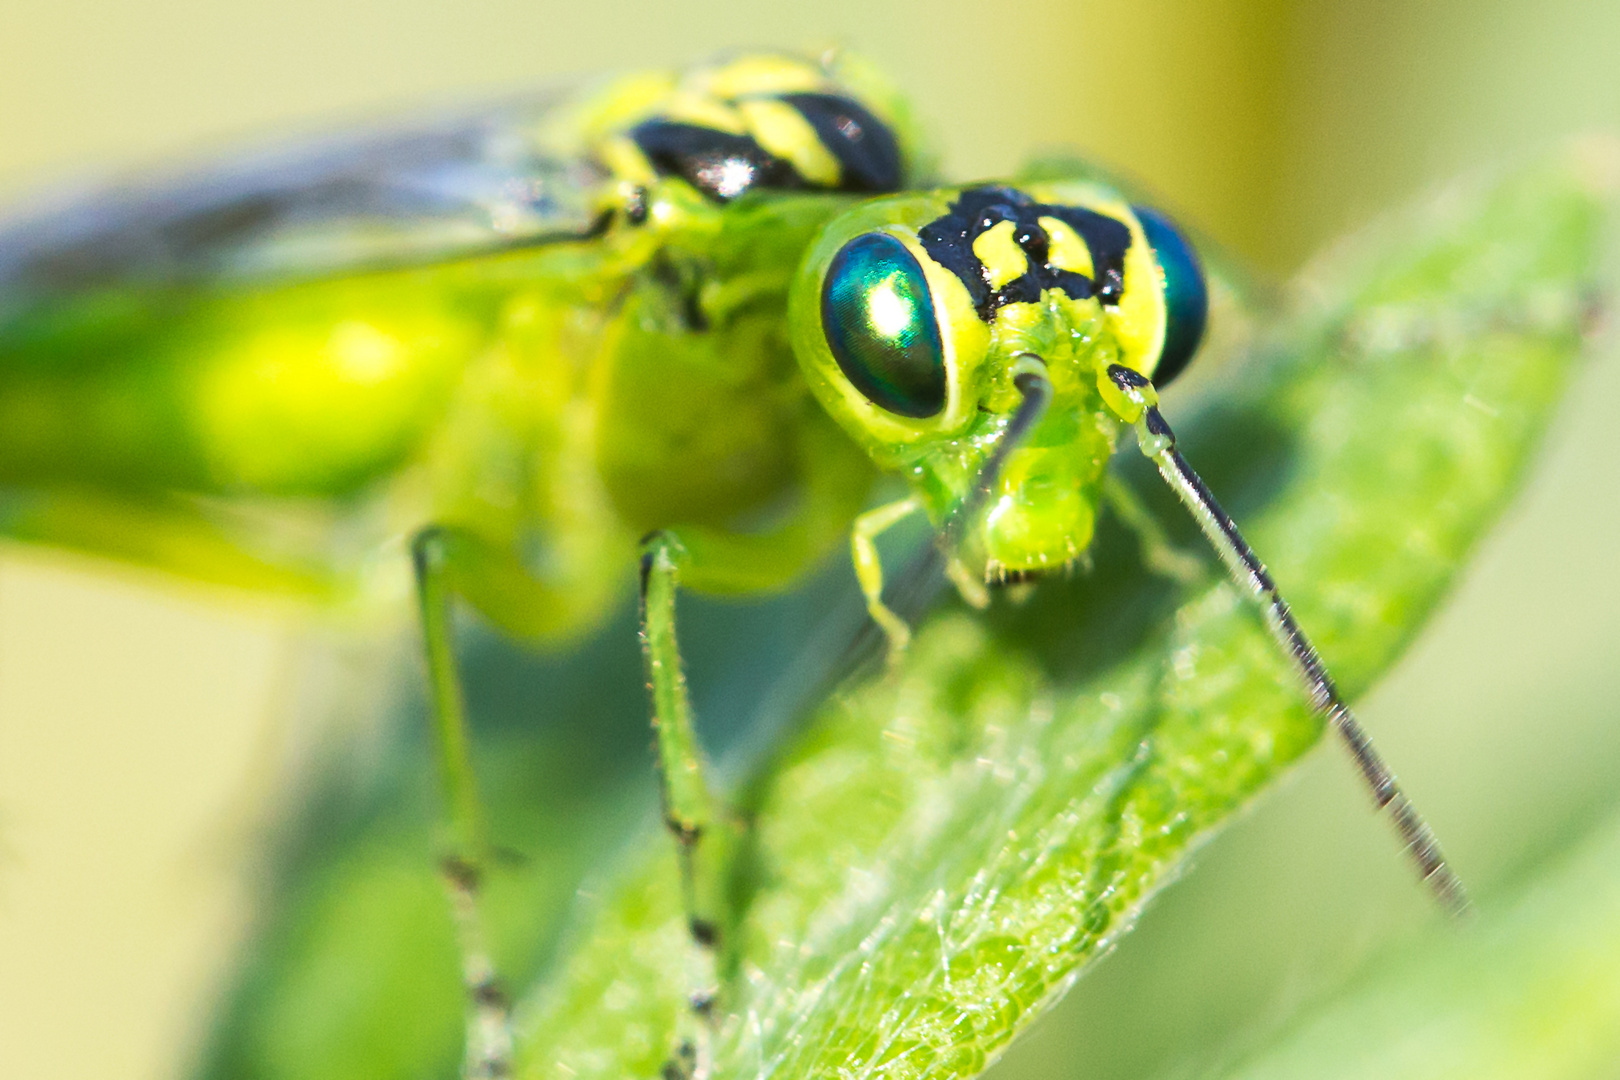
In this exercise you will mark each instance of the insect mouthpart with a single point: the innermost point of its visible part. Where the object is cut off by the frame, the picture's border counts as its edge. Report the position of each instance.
(1036, 389)
(985, 499)
(1036, 495)
(997, 575)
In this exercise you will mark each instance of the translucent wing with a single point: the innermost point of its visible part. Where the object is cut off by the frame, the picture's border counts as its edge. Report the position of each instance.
(455, 185)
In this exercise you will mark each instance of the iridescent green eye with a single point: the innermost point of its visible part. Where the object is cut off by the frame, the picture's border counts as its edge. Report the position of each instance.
(1186, 296)
(879, 320)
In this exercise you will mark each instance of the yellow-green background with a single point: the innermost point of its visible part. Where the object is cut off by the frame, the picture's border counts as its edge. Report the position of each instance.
(141, 731)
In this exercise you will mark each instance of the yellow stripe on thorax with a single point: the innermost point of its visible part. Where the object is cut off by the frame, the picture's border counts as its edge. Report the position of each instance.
(784, 132)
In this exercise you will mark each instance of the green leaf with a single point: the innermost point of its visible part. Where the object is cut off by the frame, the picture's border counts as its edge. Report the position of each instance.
(948, 845)
(941, 849)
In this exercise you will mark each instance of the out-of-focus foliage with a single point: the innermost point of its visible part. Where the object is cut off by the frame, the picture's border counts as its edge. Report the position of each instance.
(1533, 990)
(947, 845)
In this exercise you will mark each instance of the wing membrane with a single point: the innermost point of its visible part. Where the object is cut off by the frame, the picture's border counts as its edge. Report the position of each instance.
(449, 187)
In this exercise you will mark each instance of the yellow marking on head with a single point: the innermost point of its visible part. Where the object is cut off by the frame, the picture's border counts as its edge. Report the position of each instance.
(754, 75)
(1003, 259)
(783, 131)
(1137, 322)
(686, 107)
(1139, 318)
(1067, 249)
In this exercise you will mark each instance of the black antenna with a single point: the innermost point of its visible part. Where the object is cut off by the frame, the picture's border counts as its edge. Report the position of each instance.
(922, 579)
(1158, 442)
(1037, 390)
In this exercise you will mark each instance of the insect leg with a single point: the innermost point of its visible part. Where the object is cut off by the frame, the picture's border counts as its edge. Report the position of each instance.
(869, 568)
(489, 1040)
(688, 804)
(1135, 400)
(1158, 553)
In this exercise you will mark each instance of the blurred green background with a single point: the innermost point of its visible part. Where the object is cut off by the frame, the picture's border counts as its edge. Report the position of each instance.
(145, 728)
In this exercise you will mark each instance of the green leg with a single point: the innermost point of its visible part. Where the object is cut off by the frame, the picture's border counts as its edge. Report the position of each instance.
(489, 1041)
(869, 569)
(1158, 553)
(688, 803)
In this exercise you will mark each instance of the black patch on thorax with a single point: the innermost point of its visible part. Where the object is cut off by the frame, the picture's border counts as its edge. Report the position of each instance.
(723, 165)
(868, 156)
(719, 164)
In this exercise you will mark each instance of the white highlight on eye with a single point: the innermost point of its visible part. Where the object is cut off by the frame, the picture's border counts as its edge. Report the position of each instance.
(891, 315)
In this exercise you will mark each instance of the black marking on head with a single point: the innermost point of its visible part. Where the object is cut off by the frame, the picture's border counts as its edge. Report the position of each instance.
(868, 155)
(719, 164)
(949, 242)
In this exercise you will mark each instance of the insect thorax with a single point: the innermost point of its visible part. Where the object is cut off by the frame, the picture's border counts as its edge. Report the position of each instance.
(752, 123)
(720, 177)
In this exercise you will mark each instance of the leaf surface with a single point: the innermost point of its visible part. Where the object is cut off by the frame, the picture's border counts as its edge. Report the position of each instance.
(949, 844)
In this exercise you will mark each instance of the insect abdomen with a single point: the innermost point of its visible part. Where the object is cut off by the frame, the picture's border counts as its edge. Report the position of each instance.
(308, 390)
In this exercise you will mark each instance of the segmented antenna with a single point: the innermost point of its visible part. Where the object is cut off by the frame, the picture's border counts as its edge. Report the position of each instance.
(1158, 442)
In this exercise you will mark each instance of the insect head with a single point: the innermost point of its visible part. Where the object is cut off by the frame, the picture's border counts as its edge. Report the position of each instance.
(914, 316)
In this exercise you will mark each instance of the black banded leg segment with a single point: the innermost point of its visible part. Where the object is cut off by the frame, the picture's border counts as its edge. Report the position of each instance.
(1137, 402)
(687, 802)
(488, 1053)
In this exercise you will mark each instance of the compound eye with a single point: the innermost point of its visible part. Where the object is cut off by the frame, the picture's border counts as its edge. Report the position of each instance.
(1186, 296)
(878, 316)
